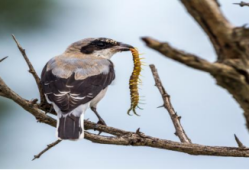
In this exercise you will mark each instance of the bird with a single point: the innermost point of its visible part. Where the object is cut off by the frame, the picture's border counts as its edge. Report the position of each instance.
(78, 79)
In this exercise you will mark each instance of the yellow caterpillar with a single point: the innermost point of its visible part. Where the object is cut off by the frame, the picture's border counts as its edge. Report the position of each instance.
(134, 81)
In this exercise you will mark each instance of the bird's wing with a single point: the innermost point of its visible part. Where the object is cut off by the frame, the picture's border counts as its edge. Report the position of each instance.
(71, 82)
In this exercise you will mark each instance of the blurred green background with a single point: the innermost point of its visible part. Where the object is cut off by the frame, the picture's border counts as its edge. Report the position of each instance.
(45, 28)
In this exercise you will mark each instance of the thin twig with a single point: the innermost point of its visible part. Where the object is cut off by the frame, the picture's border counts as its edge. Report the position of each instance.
(46, 149)
(31, 69)
(167, 104)
(240, 144)
(242, 4)
(3, 58)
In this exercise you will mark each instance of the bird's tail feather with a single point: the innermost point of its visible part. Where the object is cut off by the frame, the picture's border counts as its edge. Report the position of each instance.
(70, 127)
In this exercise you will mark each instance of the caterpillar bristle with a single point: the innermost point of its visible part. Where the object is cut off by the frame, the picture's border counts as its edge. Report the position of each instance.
(141, 103)
(139, 108)
(135, 81)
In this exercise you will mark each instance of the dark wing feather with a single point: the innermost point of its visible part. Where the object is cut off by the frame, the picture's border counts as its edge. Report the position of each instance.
(69, 93)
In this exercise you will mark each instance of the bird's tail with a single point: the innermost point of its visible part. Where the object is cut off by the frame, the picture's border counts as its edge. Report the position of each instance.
(70, 127)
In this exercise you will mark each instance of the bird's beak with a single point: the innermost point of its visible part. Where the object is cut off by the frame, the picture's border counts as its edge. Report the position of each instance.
(123, 47)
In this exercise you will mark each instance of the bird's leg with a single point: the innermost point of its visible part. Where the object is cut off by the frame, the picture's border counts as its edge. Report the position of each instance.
(50, 109)
(101, 121)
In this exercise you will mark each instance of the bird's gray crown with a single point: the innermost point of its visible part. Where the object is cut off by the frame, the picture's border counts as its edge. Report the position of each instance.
(98, 44)
(89, 45)
(97, 47)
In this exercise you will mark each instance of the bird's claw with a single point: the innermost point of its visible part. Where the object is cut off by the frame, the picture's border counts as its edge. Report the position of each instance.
(100, 122)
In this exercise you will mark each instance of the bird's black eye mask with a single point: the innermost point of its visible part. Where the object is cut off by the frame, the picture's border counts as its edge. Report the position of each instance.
(99, 44)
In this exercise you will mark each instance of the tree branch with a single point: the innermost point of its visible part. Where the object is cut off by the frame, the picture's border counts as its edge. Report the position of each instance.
(31, 70)
(230, 75)
(122, 137)
(167, 104)
(242, 4)
(46, 149)
(190, 60)
(209, 16)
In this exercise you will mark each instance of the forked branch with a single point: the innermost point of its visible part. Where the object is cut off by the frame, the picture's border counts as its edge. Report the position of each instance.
(122, 137)
(167, 104)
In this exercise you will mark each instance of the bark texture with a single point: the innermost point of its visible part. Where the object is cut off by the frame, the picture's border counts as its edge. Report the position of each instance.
(230, 43)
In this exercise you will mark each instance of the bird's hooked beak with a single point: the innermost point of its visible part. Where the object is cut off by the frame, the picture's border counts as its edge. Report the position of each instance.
(123, 47)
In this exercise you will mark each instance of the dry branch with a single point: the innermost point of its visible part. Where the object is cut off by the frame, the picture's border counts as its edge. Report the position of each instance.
(31, 70)
(209, 16)
(231, 70)
(167, 104)
(188, 59)
(242, 4)
(46, 149)
(122, 137)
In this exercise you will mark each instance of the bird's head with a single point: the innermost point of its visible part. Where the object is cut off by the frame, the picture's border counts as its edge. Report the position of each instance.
(97, 47)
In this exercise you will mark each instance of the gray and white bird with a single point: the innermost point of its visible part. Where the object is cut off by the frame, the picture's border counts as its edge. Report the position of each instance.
(77, 79)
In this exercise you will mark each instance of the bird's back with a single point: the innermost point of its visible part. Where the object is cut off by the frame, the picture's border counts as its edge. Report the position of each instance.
(69, 81)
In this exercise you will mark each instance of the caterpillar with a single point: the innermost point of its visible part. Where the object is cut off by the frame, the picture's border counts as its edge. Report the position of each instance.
(134, 81)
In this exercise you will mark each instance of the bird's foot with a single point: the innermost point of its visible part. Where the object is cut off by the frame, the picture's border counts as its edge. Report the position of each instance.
(100, 122)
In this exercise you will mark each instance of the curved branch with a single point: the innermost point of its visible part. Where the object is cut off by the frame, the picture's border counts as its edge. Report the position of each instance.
(209, 16)
(123, 137)
(190, 60)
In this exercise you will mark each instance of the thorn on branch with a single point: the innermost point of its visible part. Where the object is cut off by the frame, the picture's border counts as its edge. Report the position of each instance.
(242, 4)
(49, 146)
(240, 144)
(160, 106)
(245, 25)
(167, 104)
(138, 131)
(34, 101)
(179, 117)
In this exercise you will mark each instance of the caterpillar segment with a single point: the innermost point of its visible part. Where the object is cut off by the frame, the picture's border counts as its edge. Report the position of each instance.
(135, 81)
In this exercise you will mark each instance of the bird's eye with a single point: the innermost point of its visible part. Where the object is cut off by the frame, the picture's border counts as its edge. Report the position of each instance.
(101, 44)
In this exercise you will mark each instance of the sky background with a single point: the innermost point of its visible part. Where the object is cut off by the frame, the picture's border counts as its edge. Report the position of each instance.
(45, 28)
